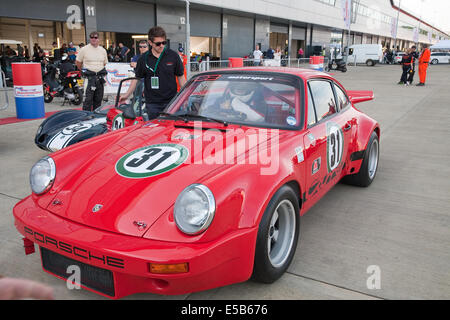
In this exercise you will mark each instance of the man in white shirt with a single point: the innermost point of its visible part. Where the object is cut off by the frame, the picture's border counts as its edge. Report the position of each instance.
(92, 60)
(257, 54)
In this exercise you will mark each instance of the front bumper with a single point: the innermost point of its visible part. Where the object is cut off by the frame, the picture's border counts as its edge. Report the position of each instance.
(224, 261)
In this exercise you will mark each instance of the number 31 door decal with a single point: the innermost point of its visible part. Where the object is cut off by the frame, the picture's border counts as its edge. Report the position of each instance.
(152, 160)
(335, 145)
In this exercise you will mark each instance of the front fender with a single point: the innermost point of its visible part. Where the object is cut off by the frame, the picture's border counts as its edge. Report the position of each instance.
(242, 194)
(78, 157)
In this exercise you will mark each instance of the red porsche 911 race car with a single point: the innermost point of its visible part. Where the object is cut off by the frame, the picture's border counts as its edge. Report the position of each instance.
(208, 194)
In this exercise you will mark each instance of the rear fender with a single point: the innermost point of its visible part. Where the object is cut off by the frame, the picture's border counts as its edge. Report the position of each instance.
(366, 127)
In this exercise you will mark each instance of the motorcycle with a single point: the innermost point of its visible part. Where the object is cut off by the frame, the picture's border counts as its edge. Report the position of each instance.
(336, 64)
(66, 87)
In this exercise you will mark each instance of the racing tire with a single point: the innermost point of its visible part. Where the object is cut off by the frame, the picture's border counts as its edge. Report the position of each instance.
(369, 167)
(434, 61)
(78, 96)
(277, 237)
(344, 69)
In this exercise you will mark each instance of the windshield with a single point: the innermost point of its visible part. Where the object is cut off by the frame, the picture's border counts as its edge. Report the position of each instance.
(135, 99)
(262, 100)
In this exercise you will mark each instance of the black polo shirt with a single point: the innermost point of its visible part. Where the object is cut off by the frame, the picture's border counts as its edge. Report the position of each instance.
(169, 67)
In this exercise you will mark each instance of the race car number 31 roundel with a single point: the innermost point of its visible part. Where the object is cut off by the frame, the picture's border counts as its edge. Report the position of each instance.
(151, 160)
(335, 146)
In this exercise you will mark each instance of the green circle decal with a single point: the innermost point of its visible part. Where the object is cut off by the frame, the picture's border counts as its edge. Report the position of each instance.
(151, 160)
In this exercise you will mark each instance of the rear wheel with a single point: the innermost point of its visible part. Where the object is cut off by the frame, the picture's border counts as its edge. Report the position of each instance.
(434, 61)
(369, 166)
(370, 63)
(277, 236)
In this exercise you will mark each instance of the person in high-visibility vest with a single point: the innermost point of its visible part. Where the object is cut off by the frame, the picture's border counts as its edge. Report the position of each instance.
(183, 58)
(424, 60)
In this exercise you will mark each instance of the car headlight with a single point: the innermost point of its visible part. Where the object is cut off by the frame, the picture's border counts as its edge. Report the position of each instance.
(39, 130)
(194, 209)
(42, 175)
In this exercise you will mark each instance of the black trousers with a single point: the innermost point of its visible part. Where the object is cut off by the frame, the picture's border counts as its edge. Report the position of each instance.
(94, 93)
(406, 75)
(154, 109)
(411, 75)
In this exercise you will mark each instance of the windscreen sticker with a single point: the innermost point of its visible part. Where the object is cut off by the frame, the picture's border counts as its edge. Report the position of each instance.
(254, 78)
(291, 121)
(151, 160)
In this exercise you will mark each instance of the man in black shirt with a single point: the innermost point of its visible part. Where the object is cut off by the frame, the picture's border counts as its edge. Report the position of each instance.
(159, 67)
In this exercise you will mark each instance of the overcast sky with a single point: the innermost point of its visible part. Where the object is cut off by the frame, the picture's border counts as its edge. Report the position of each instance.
(435, 12)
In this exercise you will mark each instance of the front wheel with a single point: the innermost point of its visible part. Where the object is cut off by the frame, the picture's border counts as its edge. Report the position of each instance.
(78, 96)
(47, 97)
(277, 236)
(434, 61)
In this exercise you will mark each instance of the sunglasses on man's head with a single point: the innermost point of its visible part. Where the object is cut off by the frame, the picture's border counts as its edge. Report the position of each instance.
(160, 43)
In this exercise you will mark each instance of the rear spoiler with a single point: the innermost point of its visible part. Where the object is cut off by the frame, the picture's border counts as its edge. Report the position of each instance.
(356, 96)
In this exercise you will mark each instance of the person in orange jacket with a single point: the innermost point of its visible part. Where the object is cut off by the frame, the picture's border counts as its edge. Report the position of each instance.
(183, 58)
(424, 59)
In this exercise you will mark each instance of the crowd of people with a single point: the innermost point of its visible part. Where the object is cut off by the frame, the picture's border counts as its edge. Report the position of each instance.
(274, 56)
(119, 53)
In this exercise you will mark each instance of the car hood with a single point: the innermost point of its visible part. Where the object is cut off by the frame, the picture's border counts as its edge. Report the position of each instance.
(114, 191)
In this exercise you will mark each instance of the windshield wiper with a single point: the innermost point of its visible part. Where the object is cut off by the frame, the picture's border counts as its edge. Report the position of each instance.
(184, 117)
(171, 115)
(204, 118)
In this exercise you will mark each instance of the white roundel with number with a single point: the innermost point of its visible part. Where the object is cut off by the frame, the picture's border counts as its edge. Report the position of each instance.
(335, 146)
(151, 160)
(118, 122)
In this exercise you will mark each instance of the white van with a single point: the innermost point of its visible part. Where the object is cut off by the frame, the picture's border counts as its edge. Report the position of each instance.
(369, 54)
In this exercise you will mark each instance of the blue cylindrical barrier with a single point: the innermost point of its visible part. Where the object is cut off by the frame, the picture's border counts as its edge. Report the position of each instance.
(28, 90)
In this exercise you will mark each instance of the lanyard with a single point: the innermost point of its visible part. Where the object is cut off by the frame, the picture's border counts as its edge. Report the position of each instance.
(157, 62)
